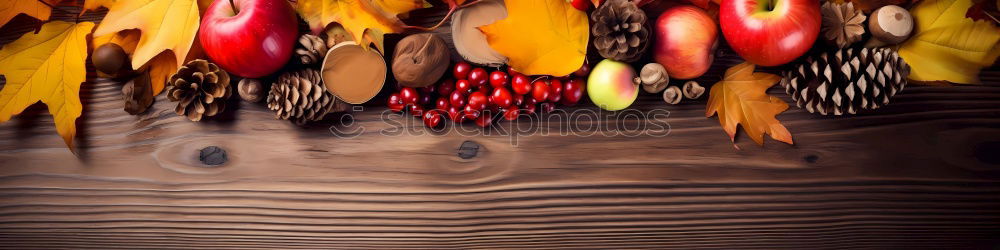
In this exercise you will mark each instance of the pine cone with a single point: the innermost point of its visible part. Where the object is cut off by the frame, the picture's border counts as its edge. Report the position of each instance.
(310, 49)
(200, 88)
(847, 80)
(302, 97)
(620, 30)
(843, 25)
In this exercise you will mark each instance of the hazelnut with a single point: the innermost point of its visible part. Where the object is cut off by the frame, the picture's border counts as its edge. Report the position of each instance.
(251, 90)
(672, 95)
(891, 24)
(654, 78)
(693, 90)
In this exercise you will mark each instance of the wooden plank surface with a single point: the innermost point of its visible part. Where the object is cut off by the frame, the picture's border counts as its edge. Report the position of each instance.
(923, 172)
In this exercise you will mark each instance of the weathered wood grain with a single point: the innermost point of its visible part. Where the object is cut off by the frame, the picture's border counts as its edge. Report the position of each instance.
(923, 172)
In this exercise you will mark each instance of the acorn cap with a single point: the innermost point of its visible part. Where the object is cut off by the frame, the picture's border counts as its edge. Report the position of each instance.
(352, 73)
(420, 60)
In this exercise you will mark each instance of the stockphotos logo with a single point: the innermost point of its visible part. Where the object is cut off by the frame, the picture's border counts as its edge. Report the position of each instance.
(579, 122)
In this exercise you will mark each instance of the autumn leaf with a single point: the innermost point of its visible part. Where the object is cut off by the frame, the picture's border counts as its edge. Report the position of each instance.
(947, 46)
(47, 67)
(39, 9)
(365, 20)
(541, 37)
(164, 25)
(741, 98)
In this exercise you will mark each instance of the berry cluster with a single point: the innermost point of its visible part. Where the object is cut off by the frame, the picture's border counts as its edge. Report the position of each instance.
(473, 94)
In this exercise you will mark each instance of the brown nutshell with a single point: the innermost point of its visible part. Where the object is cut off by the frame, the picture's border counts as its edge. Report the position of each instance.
(420, 60)
(137, 94)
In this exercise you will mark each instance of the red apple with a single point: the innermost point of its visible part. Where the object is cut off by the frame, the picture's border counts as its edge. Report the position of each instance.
(252, 39)
(582, 5)
(770, 32)
(686, 38)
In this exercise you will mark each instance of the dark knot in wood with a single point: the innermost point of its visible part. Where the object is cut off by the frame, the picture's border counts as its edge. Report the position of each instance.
(988, 152)
(468, 150)
(213, 156)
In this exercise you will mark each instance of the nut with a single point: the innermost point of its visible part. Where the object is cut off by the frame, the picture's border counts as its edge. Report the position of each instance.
(693, 90)
(110, 59)
(138, 94)
(891, 24)
(672, 95)
(251, 90)
(654, 78)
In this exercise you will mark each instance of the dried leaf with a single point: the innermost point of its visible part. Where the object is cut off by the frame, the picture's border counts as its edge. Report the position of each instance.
(541, 37)
(741, 98)
(47, 67)
(947, 46)
(365, 20)
(34, 8)
(165, 25)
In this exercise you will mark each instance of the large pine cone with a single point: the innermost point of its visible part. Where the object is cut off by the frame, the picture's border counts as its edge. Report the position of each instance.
(200, 88)
(302, 97)
(620, 30)
(847, 80)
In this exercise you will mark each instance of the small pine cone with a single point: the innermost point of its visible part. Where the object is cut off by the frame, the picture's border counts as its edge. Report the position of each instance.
(620, 30)
(200, 88)
(302, 97)
(847, 80)
(310, 49)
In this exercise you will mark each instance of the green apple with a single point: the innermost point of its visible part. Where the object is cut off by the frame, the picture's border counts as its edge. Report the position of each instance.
(612, 85)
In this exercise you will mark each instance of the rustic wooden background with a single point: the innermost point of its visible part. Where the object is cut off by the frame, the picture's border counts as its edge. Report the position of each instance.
(923, 172)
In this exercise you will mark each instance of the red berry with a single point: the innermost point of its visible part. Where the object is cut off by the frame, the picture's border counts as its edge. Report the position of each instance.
(484, 120)
(461, 70)
(498, 79)
(463, 86)
(457, 99)
(520, 84)
(529, 105)
(416, 110)
(573, 91)
(512, 72)
(548, 107)
(511, 113)
(446, 87)
(471, 113)
(409, 95)
(478, 77)
(486, 90)
(582, 5)
(540, 91)
(477, 101)
(583, 71)
(425, 100)
(501, 97)
(395, 103)
(427, 90)
(555, 90)
(456, 115)
(517, 100)
(442, 103)
(432, 118)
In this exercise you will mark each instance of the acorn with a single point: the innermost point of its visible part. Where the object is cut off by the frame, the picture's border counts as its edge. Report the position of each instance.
(891, 24)
(110, 59)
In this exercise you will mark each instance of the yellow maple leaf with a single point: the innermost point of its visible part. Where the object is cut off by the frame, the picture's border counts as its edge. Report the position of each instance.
(40, 9)
(365, 20)
(541, 37)
(164, 25)
(740, 98)
(947, 46)
(47, 67)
